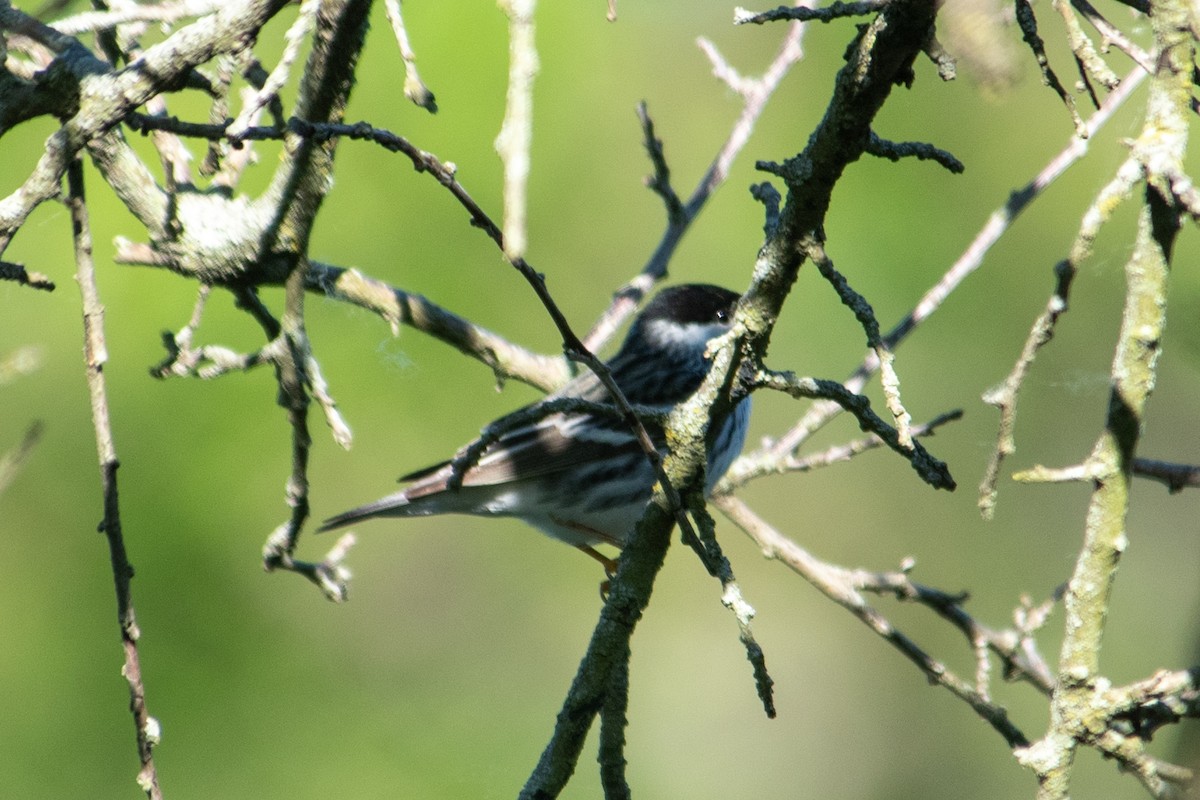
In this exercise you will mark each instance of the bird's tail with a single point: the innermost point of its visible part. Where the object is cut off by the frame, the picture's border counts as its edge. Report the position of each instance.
(393, 505)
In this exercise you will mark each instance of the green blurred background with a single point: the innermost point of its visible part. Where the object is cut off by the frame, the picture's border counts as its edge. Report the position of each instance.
(441, 678)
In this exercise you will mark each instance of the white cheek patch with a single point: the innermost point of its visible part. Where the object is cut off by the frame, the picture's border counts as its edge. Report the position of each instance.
(690, 335)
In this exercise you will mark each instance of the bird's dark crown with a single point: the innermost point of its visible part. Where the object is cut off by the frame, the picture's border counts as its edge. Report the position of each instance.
(700, 303)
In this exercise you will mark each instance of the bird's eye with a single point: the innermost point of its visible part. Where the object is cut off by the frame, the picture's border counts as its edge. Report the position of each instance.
(722, 315)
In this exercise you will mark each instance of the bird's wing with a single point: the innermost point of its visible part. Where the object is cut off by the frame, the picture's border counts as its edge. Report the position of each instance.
(556, 444)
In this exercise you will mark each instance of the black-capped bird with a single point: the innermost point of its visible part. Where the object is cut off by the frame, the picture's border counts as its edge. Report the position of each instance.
(582, 477)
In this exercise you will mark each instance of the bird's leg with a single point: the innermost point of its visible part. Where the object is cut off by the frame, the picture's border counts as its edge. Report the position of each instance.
(610, 567)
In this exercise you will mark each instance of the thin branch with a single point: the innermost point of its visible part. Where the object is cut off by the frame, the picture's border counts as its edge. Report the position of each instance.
(932, 471)
(1091, 65)
(396, 306)
(966, 265)
(835, 10)
(1176, 477)
(815, 252)
(843, 587)
(765, 462)
(414, 88)
(1029, 29)
(894, 151)
(95, 357)
(1114, 35)
(296, 34)
(755, 95)
(165, 12)
(10, 271)
(1005, 396)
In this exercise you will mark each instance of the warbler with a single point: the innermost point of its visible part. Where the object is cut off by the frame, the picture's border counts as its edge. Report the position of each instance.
(582, 477)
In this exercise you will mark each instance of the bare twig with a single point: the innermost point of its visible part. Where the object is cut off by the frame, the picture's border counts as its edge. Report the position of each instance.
(970, 261)
(844, 587)
(894, 151)
(295, 36)
(1091, 65)
(1004, 396)
(865, 315)
(165, 12)
(763, 462)
(932, 471)
(1029, 30)
(414, 88)
(95, 356)
(834, 10)
(1114, 36)
(1177, 477)
(681, 215)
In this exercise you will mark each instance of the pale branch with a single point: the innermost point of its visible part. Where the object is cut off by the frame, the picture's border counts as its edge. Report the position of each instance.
(844, 587)
(1091, 65)
(1005, 396)
(329, 574)
(1076, 473)
(95, 358)
(947, 67)
(1123, 716)
(396, 306)
(516, 131)
(320, 392)
(1114, 36)
(1015, 647)
(296, 35)
(1158, 153)
(680, 217)
(414, 88)
(166, 12)
(1162, 699)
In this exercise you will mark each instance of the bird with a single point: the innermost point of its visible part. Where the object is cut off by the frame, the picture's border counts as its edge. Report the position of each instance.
(581, 476)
